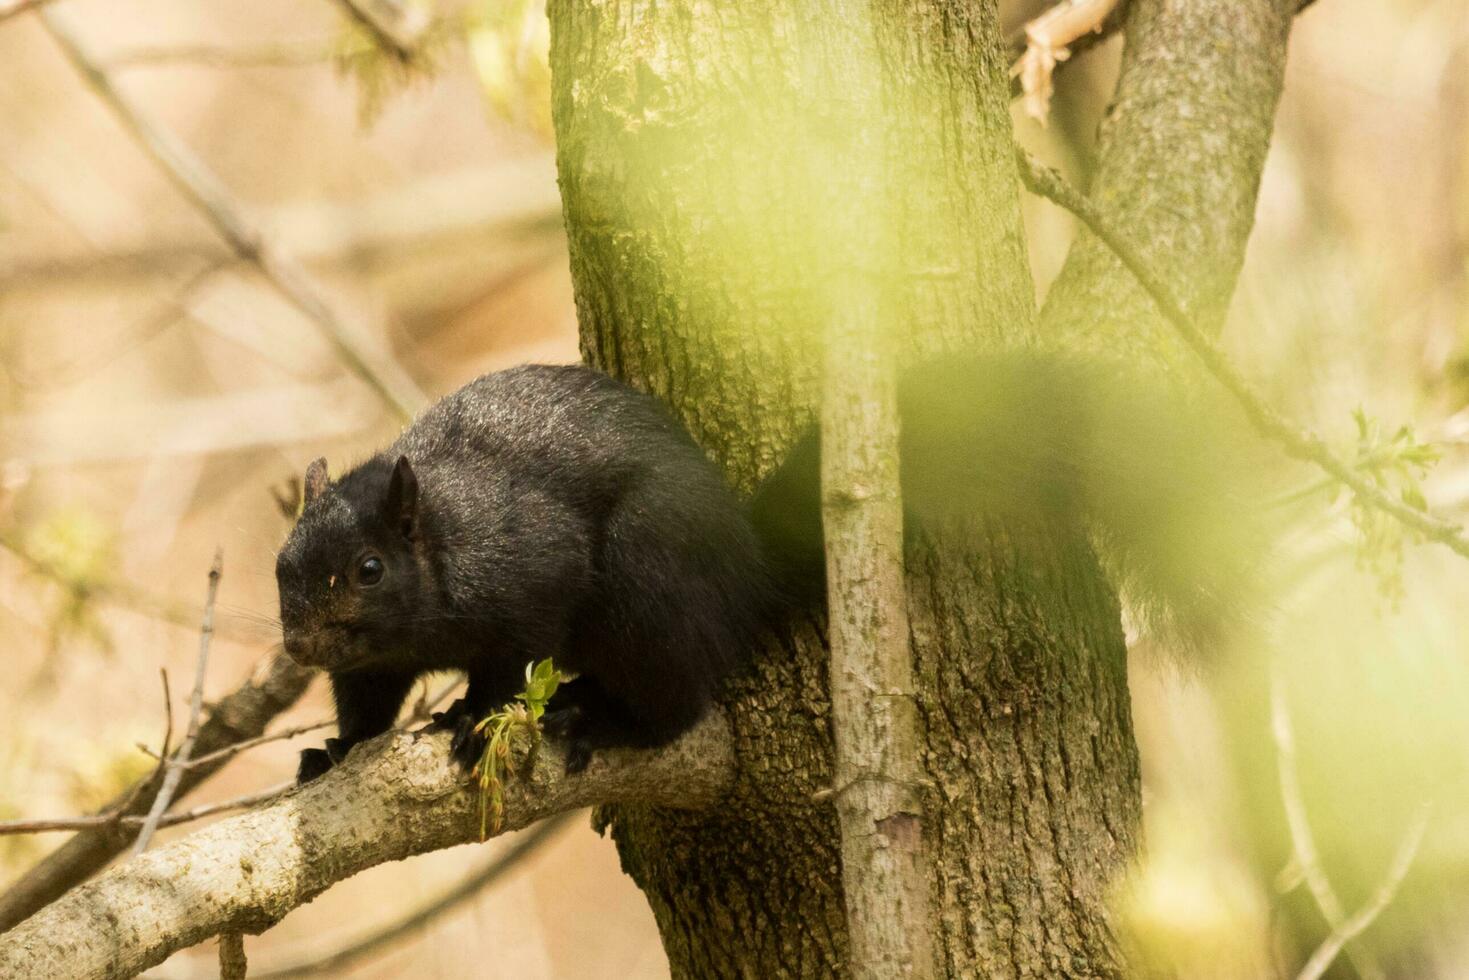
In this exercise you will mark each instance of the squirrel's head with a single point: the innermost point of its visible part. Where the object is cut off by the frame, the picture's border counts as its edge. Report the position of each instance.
(349, 575)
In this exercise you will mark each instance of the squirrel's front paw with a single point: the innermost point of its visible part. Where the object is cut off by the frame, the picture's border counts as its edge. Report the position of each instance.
(314, 762)
(578, 755)
(449, 718)
(559, 722)
(467, 745)
(569, 723)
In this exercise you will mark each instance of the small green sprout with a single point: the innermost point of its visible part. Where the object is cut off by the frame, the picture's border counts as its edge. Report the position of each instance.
(1396, 463)
(541, 681)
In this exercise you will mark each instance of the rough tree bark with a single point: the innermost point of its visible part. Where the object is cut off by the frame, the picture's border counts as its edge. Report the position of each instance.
(694, 142)
(394, 797)
(1180, 157)
(690, 146)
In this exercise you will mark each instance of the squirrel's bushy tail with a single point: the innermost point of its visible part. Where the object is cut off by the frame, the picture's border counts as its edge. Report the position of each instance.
(1159, 481)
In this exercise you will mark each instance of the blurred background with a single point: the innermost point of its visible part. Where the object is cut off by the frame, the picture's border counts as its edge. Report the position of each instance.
(157, 385)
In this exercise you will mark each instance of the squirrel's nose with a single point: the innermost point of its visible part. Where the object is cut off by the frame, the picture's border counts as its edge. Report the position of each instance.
(299, 649)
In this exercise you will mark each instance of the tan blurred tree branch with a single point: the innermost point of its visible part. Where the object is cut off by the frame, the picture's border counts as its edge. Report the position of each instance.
(201, 186)
(398, 27)
(1018, 42)
(9, 8)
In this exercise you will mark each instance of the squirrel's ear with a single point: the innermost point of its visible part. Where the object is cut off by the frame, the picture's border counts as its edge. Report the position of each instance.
(403, 497)
(316, 479)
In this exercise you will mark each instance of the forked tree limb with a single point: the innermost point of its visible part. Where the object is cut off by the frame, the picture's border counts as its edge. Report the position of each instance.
(243, 714)
(1018, 41)
(1297, 443)
(394, 797)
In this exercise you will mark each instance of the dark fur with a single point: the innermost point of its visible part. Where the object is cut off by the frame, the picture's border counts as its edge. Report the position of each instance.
(553, 512)
(558, 514)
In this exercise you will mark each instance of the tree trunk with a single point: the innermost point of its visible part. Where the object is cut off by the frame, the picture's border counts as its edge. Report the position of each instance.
(698, 148)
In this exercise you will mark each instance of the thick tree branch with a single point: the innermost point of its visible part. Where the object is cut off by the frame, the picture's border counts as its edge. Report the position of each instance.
(1180, 158)
(1297, 443)
(241, 715)
(1017, 40)
(416, 919)
(394, 797)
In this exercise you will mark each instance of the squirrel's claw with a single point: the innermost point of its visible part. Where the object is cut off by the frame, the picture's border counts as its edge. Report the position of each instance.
(449, 717)
(467, 745)
(314, 762)
(559, 722)
(578, 755)
(566, 723)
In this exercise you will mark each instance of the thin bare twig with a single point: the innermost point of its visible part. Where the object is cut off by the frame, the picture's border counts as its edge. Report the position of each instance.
(167, 820)
(1407, 850)
(131, 796)
(401, 928)
(230, 751)
(282, 54)
(421, 711)
(243, 802)
(201, 186)
(273, 686)
(117, 816)
(1298, 443)
(196, 708)
(1303, 842)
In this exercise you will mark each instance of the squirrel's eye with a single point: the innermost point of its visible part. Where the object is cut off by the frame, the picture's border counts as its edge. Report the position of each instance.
(370, 572)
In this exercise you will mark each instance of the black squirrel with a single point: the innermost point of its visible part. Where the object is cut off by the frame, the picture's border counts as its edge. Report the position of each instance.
(555, 512)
